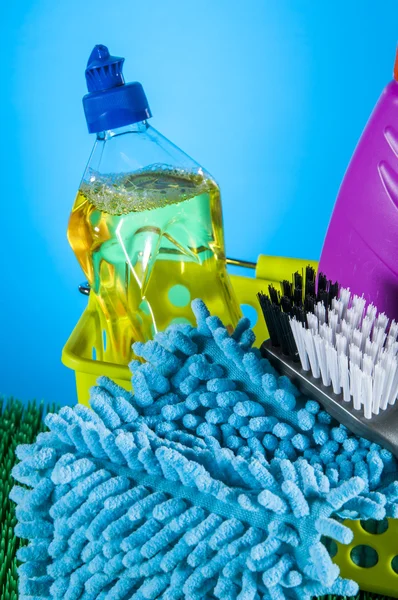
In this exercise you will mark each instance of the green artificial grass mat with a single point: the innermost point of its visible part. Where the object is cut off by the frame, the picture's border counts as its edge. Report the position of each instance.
(20, 424)
(360, 596)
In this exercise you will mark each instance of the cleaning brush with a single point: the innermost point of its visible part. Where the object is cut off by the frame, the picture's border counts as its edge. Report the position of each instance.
(339, 351)
(214, 479)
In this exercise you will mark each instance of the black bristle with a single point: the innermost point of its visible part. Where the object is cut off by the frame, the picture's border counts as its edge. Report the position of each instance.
(278, 325)
(310, 289)
(309, 281)
(287, 289)
(274, 295)
(278, 310)
(286, 304)
(309, 303)
(333, 291)
(322, 284)
(298, 289)
(271, 320)
(298, 280)
(298, 296)
(299, 313)
(323, 297)
(287, 342)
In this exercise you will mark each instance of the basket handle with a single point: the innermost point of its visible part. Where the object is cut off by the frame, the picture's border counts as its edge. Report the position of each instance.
(270, 268)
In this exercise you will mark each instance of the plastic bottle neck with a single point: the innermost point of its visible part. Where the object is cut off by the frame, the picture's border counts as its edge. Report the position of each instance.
(140, 127)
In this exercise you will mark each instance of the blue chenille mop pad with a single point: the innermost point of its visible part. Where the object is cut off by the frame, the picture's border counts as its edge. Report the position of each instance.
(215, 479)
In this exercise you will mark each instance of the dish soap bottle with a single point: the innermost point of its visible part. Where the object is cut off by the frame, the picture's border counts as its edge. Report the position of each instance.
(146, 225)
(361, 245)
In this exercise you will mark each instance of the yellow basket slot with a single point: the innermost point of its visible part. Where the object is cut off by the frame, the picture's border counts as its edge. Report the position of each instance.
(85, 353)
(381, 549)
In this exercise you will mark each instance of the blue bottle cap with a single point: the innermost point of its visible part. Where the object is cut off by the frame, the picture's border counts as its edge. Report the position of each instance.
(111, 103)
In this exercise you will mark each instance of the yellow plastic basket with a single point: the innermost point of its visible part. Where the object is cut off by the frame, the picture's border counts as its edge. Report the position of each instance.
(85, 352)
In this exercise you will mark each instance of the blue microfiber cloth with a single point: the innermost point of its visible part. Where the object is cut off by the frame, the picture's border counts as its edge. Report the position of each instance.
(213, 480)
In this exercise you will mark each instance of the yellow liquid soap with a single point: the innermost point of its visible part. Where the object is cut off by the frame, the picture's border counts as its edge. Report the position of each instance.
(149, 243)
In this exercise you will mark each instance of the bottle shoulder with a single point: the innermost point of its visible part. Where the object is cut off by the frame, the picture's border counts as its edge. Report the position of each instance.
(134, 148)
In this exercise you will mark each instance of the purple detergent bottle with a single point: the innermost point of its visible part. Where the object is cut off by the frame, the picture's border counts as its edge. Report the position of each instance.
(361, 246)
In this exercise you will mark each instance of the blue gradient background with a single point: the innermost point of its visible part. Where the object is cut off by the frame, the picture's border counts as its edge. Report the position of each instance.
(270, 97)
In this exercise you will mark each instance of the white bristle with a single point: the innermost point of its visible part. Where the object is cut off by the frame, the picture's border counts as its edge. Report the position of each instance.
(341, 344)
(359, 303)
(356, 386)
(354, 316)
(366, 329)
(309, 339)
(344, 297)
(357, 338)
(372, 350)
(297, 329)
(344, 376)
(338, 306)
(333, 366)
(320, 312)
(355, 355)
(371, 312)
(382, 321)
(394, 390)
(392, 347)
(350, 317)
(334, 324)
(312, 321)
(367, 365)
(378, 336)
(378, 387)
(367, 395)
(326, 333)
(353, 349)
(393, 332)
(320, 348)
(346, 330)
(390, 366)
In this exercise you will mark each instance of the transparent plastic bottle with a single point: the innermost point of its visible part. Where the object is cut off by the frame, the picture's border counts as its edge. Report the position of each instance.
(146, 226)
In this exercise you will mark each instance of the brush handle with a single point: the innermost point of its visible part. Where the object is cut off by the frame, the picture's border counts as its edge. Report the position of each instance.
(381, 429)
